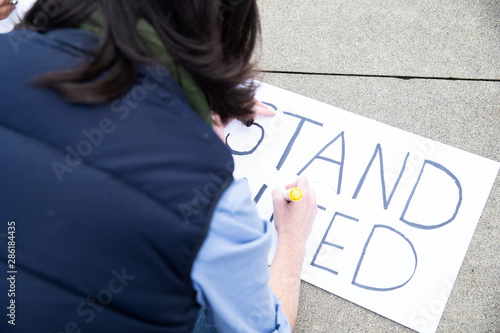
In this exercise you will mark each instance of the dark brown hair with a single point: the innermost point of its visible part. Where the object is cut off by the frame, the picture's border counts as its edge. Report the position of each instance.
(212, 39)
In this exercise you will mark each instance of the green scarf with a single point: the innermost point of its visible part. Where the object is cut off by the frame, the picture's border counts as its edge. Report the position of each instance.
(156, 50)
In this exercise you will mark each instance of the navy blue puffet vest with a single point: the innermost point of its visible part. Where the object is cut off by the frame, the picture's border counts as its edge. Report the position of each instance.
(110, 204)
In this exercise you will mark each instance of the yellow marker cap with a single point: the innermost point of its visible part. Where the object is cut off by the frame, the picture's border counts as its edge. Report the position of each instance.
(294, 194)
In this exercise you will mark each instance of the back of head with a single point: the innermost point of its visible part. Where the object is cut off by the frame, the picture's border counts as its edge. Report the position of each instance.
(212, 40)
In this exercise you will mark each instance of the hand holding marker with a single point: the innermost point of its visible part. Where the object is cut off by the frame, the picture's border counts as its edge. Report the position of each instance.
(293, 194)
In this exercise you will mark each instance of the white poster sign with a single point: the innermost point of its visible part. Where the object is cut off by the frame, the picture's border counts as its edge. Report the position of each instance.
(396, 211)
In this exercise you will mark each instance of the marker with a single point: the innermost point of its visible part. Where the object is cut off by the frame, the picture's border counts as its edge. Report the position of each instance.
(293, 194)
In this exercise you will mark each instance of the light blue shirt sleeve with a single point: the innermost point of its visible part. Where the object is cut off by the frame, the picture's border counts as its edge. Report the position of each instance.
(231, 274)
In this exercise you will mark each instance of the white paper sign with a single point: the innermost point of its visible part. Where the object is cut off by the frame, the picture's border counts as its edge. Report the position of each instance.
(397, 211)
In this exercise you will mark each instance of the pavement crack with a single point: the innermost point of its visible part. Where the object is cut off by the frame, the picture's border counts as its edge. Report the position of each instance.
(402, 77)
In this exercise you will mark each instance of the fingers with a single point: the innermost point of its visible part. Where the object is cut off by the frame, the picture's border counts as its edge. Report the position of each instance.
(263, 110)
(294, 220)
(301, 183)
(248, 120)
(258, 109)
(7, 4)
(6, 9)
(259, 103)
(309, 198)
(278, 199)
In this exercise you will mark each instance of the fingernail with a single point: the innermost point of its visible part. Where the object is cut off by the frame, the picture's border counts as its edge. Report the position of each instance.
(249, 122)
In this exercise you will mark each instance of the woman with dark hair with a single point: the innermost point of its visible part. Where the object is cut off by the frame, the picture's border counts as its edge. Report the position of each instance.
(121, 208)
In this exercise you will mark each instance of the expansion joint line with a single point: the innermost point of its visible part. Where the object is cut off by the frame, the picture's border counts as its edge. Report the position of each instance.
(403, 77)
